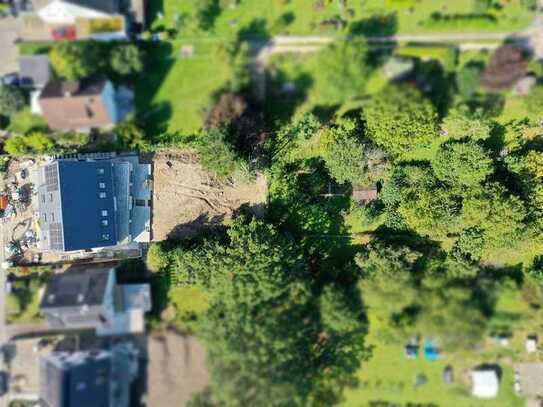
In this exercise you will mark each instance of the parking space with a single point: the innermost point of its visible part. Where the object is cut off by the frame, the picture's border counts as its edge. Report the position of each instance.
(8, 49)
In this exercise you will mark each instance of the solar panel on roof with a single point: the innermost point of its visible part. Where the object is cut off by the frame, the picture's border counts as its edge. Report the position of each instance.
(51, 178)
(56, 240)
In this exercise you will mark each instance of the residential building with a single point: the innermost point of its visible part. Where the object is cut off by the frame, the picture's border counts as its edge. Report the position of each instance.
(90, 298)
(83, 105)
(53, 20)
(88, 378)
(92, 203)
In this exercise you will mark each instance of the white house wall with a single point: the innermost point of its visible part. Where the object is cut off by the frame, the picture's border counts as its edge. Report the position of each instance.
(60, 12)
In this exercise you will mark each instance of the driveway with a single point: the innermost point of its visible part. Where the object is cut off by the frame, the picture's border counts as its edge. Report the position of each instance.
(9, 53)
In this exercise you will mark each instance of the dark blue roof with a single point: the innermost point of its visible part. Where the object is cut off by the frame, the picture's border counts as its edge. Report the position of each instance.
(82, 205)
(88, 384)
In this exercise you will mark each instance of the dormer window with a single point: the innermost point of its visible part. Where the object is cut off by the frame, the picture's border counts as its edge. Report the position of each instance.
(102, 195)
(102, 185)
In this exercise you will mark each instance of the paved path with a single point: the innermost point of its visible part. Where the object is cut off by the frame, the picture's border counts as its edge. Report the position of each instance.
(9, 52)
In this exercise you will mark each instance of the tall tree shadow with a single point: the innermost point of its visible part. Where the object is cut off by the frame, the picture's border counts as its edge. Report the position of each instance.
(158, 61)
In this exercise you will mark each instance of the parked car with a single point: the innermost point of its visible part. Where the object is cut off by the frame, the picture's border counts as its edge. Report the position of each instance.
(10, 79)
(64, 33)
(3, 383)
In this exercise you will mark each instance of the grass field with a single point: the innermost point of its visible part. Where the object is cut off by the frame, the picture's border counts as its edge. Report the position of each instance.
(303, 17)
(177, 90)
(390, 376)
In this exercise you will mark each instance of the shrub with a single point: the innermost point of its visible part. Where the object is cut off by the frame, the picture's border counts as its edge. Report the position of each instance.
(12, 100)
(33, 143)
(461, 21)
(126, 59)
(157, 258)
(75, 60)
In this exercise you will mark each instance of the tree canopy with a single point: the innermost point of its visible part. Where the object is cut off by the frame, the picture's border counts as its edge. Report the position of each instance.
(75, 60)
(272, 339)
(400, 119)
(343, 70)
(11, 100)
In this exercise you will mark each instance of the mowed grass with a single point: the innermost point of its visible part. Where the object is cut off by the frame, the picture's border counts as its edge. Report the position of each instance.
(175, 91)
(304, 17)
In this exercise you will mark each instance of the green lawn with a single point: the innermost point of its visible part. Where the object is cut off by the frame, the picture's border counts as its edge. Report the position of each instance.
(177, 90)
(390, 376)
(24, 122)
(303, 17)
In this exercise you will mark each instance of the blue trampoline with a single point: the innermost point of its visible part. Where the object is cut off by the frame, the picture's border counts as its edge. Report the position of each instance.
(430, 351)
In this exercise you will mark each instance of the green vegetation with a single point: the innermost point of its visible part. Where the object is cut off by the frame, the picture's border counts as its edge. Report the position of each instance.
(12, 100)
(75, 60)
(23, 303)
(126, 59)
(296, 17)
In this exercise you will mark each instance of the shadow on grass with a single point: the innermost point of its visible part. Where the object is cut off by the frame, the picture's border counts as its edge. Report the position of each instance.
(285, 95)
(158, 63)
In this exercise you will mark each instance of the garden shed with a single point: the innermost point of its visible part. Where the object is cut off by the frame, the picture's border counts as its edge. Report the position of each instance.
(485, 383)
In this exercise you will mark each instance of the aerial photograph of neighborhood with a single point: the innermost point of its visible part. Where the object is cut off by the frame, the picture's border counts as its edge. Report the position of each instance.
(271, 203)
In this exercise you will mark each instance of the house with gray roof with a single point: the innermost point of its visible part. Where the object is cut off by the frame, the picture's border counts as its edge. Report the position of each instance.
(91, 203)
(89, 298)
(90, 378)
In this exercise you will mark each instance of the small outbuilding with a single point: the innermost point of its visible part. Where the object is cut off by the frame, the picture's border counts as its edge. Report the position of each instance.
(448, 375)
(364, 195)
(485, 383)
(531, 343)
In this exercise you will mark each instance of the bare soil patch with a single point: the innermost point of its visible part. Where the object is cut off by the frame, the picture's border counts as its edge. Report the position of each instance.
(188, 199)
(176, 370)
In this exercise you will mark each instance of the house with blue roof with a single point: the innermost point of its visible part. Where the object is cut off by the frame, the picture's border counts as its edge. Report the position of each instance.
(89, 378)
(93, 202)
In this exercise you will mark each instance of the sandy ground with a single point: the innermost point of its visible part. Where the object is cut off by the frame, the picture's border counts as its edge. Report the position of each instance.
(187, 198)
(176, 370)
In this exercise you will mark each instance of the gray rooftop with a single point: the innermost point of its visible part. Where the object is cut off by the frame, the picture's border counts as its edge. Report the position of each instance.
(76, 287)
(34, 70)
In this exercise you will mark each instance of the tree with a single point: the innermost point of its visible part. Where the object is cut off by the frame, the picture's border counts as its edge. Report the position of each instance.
(460, 123)
(126, 59)
(75, 60)
(349, 157)
(33, 143)
(497, 213)
(130, 134)
(12, 100)
(423, 202)
(266, 342)
(343, 70)
(463, 164)
(506, 66)
(207, 12)
(400, 119)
